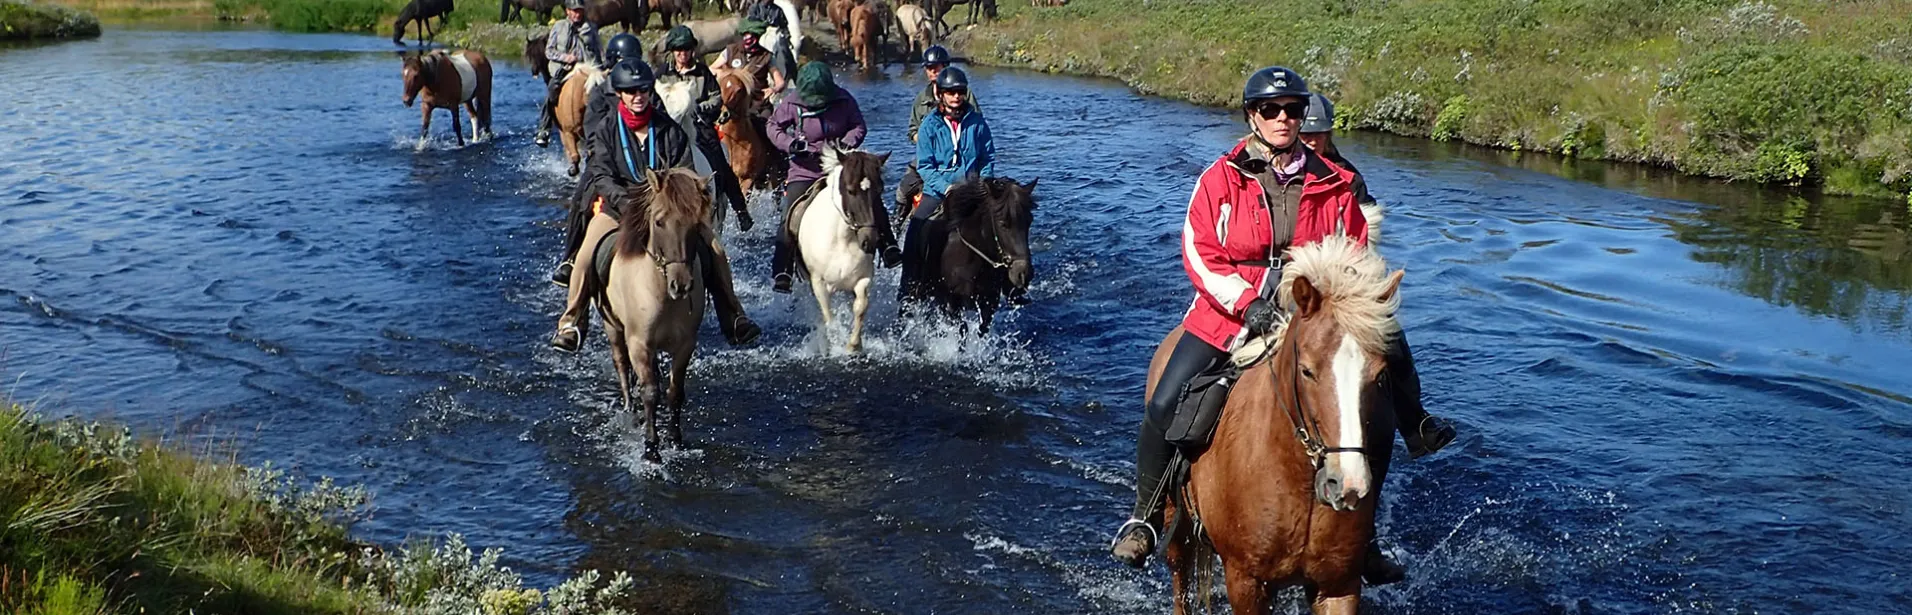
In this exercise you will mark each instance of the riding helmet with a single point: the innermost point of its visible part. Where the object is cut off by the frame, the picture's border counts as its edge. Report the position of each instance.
(680, 39)
(936, 54)
(952, 78)
(632, 74)
(1320, 116)
(624, 45)
(1272, 82)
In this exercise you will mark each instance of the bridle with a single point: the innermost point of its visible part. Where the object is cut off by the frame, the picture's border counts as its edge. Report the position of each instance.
(996, 236)
(1306, 427)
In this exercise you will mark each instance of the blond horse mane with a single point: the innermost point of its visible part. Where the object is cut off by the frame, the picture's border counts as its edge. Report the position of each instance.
(1353, 280)
(749, 80)
(591, 74)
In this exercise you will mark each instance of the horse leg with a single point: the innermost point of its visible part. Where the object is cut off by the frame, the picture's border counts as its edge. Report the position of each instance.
(621, 362)
(424, 124)
(1345, 604)
(645, 364)
(1178, 554)
(680, 369)
(570, 150)
(858, 307)
(457, 128)
(822, 290)
(1247, 594)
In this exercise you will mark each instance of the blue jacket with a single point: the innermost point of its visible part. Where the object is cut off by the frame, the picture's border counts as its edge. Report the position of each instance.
(944, 159)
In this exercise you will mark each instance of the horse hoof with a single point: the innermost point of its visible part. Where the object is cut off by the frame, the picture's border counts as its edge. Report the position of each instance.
(651, 454)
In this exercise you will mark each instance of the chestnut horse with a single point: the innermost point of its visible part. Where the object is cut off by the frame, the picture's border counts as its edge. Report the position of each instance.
(746, 147)
(653, 296)
(1285, 493)
(573, 97)
(863, 29)
(447, 80)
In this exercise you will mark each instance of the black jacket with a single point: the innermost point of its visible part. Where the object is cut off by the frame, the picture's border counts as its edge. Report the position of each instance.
(616, 160)
(1361, 196)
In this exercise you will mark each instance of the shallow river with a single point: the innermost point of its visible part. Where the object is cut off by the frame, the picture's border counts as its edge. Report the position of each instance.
(1674, 395)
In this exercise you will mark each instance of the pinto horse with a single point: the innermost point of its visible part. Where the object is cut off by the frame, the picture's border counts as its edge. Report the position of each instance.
(446, 80)
(654, 295)
(980, 253)
(836, 233)
(421, 12)
(1285, 493)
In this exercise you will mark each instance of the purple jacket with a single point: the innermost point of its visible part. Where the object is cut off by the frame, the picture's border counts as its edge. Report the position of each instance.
(839, 121)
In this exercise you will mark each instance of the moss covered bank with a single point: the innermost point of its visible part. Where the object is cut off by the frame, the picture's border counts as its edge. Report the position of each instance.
(1789, 91)
(20, 20)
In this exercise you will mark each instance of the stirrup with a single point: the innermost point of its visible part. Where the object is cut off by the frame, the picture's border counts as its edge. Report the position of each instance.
(1123, 532)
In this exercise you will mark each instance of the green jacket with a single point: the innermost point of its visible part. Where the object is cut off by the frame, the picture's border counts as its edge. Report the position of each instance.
(926, 104)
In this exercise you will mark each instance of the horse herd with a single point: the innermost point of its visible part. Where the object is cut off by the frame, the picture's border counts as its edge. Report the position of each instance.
(1283, 494)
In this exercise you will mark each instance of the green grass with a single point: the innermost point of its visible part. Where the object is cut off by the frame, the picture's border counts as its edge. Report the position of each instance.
(1790, 92)
(20, 20)
(95, 522)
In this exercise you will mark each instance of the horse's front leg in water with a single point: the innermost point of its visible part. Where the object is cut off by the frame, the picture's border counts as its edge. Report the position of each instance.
(645, 364)
(424, 124)
(680, 369)
(457, 128)
(621, 361)
(858, 308)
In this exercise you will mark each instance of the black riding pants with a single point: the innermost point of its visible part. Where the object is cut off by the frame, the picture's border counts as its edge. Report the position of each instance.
(720, 168)
(916, 283)
(1190, 358)
(548, 114)
(784, 259)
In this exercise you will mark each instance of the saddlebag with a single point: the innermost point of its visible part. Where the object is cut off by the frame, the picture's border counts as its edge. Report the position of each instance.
(1201, 408)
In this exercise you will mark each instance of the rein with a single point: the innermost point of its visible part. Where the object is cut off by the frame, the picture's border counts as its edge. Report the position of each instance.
(1317, 450)
(993, 263)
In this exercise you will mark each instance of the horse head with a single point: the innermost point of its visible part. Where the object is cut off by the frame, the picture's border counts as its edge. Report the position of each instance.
(861, 189)
(737, 89)
(417, 72)
(1003, 210)
(1342, 303)
(678, 206)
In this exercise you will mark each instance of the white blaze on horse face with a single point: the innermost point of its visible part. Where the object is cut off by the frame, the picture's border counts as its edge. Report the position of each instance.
(1350, 370)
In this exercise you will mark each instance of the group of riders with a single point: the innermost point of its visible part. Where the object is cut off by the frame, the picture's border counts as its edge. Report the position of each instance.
(1284, 184)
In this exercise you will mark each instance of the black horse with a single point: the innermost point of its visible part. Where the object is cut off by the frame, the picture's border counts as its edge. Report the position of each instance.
(978, 252)
(940, 8)
(511, 10)
(422, 12)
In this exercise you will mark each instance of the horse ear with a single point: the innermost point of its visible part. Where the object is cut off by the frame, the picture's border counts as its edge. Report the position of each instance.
(1029, 189)
(884, 159)
(1394, 286)
(651, 178)
(1307, 297)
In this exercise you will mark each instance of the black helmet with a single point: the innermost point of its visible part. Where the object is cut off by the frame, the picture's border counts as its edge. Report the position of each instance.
(680, 39)
(1272, 82)
(624, 45)
(936, 54)
(952, 78)
(632, 74)
(1320, 117)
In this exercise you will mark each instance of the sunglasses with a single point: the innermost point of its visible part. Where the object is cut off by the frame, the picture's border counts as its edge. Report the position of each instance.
(1273, 110)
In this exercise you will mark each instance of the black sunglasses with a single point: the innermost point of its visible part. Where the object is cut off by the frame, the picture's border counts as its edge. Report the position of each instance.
(1272, 110)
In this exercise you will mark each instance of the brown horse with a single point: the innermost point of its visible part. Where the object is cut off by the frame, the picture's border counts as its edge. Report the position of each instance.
(510, 10)
(447, 80)
(534, 56)
(628, 15)
(421, 12)
(1285, 493)
(863, 29)
(654, 295)
(979, 254)
(839, 13)
(747, 148)
(572, 99)
(667, 9)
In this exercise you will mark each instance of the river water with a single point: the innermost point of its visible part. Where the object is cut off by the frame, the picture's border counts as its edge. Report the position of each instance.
(1674, 395)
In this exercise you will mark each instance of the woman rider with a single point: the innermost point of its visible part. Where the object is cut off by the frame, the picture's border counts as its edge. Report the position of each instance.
(684, 66)
(1317, 132)
(953, 145)
(1270, 194)
(819, 115)
(598, 101)
(628, 140)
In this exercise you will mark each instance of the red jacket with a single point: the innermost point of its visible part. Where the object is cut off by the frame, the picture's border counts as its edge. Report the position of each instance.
(1227, 237)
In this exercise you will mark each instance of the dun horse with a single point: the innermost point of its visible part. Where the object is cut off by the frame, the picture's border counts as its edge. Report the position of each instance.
(913, 23)
(572, 98)
(1285, 492)
(746, 147)
(421, 12)
(654, 296)
(836, 233)
(447, 80)
(980, 252)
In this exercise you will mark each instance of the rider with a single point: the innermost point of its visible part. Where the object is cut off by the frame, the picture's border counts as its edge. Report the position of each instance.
(572, 40)
(954, 145)
(1283, 196)
(684, 66)
(934, 60)
(819, 115)
(749, 56)
(598, 101)
(632, 138)
(1317, 132)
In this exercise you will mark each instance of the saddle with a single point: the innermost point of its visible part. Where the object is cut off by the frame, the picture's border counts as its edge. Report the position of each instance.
(798, 206)
(603, 253)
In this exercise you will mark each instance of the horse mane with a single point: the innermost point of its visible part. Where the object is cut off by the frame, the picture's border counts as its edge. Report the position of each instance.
(857, 167)
(1353, 280)
(674, 193)
(749, 80)
(593, 76)
(994, 195)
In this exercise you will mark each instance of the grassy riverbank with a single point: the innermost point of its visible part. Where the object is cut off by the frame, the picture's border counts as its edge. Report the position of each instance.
(93, 521)
(1792, 91)
(20, 20)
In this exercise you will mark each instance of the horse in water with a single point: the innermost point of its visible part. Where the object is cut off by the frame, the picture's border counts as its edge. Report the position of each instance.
(980, 251)
(654, 295)
(573, 96)
(680, 103)
(837, 236)
(446, 80)
(744, 145)
(1285, 493)
(421, 12)
(535, 58)
(511, 10)
(863, 30)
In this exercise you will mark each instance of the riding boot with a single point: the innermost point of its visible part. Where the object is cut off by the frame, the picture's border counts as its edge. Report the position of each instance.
(886, 238)
(911, 287)
(1423, 432)
(737, 328)
(783, 262)
(1135, 541)
(575, 222)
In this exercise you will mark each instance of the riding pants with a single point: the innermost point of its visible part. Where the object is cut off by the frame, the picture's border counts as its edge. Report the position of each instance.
(917, 282)
(1190, 358)
(548, 114)
(585, 285)
(720, 170)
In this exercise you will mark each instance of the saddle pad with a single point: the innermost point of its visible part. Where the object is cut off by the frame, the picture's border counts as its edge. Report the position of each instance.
(602, 254)
(467, 76)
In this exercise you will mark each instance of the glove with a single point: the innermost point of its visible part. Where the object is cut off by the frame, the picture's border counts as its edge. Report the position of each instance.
(744, 222)
(1260, 316)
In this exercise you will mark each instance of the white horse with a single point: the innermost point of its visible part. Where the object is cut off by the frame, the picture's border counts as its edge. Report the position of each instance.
(914, 23)
(836, 233)
(680, 103)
